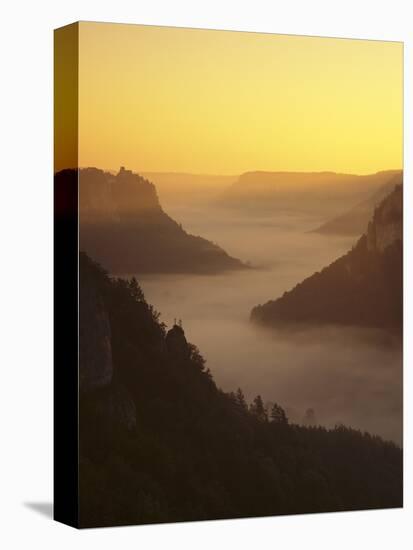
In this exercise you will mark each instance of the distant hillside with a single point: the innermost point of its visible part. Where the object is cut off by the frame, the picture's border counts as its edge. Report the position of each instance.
(355, 220)
(323, 193)
(160, 442)
(183, 188)
(124, 227)
(363, 287)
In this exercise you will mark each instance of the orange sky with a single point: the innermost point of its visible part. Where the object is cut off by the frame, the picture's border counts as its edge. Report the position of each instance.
(170, 99)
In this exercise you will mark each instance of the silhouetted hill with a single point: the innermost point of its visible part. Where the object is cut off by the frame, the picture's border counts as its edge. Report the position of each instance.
(354, 221)
(323, 193)
(124, 227)
(363, 287)
(159, 442)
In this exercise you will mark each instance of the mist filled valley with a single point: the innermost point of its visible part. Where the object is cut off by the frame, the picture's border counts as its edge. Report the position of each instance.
(217, 266)
(320, 374)
(235, 204)
(257, 347)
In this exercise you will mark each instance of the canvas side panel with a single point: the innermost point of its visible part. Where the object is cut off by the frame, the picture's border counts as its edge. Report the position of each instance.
(66, 46)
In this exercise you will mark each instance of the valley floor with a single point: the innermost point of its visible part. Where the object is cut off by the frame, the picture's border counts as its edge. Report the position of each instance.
(349, 376)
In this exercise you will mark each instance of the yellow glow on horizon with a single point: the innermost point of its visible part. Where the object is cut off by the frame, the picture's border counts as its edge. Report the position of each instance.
(186, 100)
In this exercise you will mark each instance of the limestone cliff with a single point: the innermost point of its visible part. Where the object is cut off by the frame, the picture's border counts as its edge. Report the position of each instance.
(108, 400)
(176, 343)
(386, 227)
(123, 227)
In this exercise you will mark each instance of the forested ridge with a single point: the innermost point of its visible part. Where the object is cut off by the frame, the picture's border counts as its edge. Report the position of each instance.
(123, 226)
(361, 288)
(160, 442)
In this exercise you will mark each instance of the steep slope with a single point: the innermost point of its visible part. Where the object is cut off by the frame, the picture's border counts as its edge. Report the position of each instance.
(363, 287)
(321, 193)
(124, 227)
(355, 220)
(159, 442)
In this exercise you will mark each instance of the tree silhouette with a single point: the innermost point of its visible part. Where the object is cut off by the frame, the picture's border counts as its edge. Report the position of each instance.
(193, 451)
(136, 291)
(278, 415)
(240, 399)
(258, 410)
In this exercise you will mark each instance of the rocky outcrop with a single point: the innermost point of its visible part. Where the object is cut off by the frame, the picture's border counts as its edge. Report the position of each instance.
(123, 227)
(108, 401)
(176, 343)
(386, 227)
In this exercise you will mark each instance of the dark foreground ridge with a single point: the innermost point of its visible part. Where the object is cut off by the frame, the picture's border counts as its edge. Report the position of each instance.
(159, 442)
(364, 287)
(123, 226)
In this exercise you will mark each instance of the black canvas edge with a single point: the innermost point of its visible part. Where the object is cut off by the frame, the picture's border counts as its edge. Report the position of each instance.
(65, 264)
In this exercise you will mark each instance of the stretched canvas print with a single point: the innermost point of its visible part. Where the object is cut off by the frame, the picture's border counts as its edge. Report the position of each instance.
(228, 274)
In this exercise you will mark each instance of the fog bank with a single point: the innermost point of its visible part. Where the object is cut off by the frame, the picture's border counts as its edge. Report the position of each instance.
(346, 375)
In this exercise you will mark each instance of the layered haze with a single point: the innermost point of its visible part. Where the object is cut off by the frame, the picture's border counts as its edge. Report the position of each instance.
(240, 237)
(252, 142)
(347, 375)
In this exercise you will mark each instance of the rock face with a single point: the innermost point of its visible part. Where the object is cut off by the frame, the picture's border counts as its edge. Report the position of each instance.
(108, 400)
(355, 220)
(364, 287)
(95, 352)
(176, 343)
(106, 197)
(125, 229)
(386, 227)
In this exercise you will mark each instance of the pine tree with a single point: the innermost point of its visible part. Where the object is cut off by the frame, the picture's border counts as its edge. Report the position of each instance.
(240, 400)
(258, 410)
(136, 290)
(278, 415)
